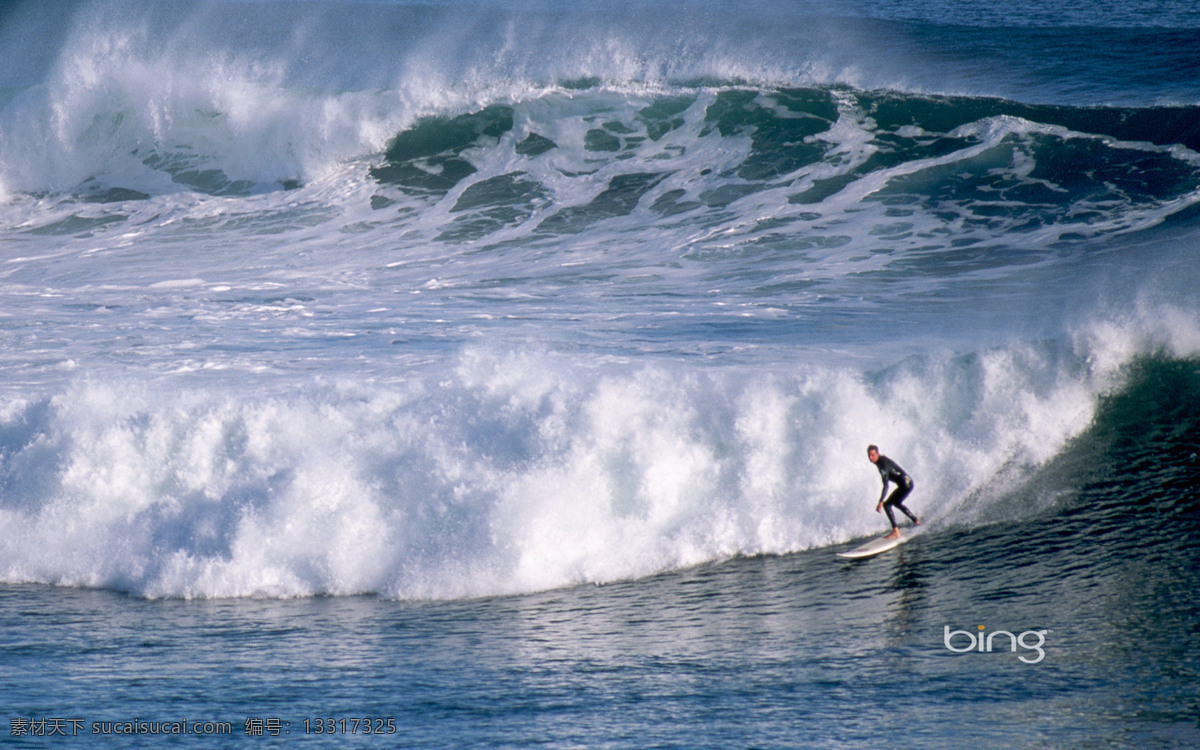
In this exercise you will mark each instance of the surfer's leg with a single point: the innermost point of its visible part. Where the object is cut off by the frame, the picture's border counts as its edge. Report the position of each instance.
(896, 499)
(887, 507)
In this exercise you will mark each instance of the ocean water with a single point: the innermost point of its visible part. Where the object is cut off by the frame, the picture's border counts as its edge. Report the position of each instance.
(468, 373)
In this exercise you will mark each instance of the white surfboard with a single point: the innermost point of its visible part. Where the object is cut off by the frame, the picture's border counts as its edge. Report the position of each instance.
(872, 548)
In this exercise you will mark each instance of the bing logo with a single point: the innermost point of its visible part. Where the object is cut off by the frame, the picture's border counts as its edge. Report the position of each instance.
(962, 641)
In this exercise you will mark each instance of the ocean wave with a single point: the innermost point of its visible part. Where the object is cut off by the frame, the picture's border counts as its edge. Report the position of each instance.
(519, 471)
(147, 98)
(709, 173)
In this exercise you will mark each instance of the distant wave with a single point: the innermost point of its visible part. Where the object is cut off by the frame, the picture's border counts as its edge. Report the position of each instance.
(154, 97)
(566, 158)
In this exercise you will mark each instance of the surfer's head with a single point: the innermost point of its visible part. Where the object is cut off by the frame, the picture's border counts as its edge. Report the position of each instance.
(872, 453)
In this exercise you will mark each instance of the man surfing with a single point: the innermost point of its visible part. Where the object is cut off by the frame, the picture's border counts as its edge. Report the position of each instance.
(890, 471)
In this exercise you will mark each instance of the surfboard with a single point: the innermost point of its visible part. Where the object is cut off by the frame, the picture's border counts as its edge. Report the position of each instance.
(872, 548)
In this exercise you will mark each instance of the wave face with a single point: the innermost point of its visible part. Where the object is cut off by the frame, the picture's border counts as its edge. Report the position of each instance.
(439, 300)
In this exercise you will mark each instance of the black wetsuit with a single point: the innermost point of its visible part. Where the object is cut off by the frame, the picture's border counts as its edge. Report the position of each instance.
(890, 471)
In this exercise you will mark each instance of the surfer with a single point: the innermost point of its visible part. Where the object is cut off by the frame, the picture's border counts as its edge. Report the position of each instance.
(890, 471)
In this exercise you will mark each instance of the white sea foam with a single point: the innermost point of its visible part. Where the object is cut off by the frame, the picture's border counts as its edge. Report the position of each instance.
(520, 471)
